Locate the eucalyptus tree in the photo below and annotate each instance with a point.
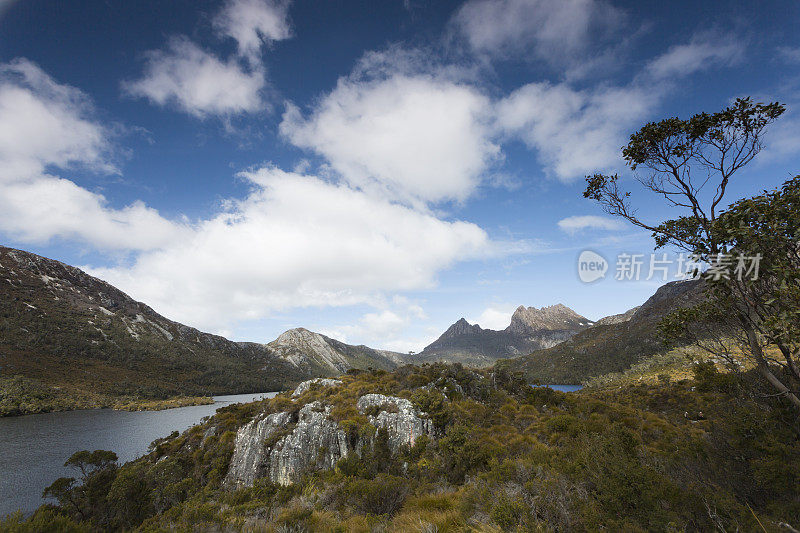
(752, 312)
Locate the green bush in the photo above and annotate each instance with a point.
(383, 495)
(709, 379)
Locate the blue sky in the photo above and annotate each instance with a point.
(370, 170)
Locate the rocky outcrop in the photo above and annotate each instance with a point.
(322, 382)
(251, 455)
(398, 417)
(617, 319)
(283, 447)
(315, 443)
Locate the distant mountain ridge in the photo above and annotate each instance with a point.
(65, 328)
(530, 329)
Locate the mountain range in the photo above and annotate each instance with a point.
(72, 334)
(613, 344)
(530, 329)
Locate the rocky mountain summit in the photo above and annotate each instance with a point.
(559, 317)
(530, 329)
(316, 354)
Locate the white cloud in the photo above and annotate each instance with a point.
(415, 138)
(252, 22)
(47, 127)
(575, 224)
(574, 131)
(495, 317)
(298, 241)
(198, 82)
(40, 209)
(580, 131)
(701, 53)
(293, 241)
(43, 123)
(559, 32)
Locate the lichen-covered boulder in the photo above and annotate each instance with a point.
(306, 385)
(316, 443)
(251, 450)
(398, 416)
(283, 448)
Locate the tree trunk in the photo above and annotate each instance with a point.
(763, 369)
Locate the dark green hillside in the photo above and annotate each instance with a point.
(69, 340)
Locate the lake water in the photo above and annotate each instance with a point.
(33, 448)
(563, 388)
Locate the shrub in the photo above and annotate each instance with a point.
(709, 379)
(462, 452)
(506, 513)
(383, 495)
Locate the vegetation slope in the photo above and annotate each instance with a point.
(691, 455)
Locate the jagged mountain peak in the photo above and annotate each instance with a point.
(526, 320)
(461, 327)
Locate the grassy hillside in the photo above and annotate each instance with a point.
(690, 455)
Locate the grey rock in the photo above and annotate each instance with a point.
(317, 443)
(251, 454)
(399, 417)
(312, 441)
(306, 385)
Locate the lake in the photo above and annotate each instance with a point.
(34, 447)
(563, 388)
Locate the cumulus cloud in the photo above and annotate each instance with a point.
(253, 22)
(560, 32)
(200, 83)
(575, 132)
(575, 224)
(197, 82)
(45, 123)
(293, 241)
(40, 209)
(298, 241)
(47, 127)
(413, 137)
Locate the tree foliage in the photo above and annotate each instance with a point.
(690, 164)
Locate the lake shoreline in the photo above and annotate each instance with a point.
(64, 402)
(36, 447)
